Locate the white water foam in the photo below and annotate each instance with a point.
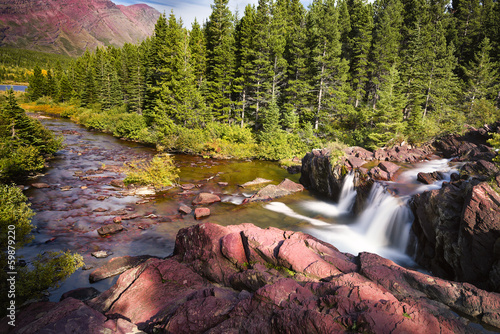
(345, 204)
(384, 225)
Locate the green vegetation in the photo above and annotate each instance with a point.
(42, 273)
(16, 65)
(292, 79)
(24, 144)
(158, 172)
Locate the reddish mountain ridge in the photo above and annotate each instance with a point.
(71, 26)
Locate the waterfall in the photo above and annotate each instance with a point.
(383, 227)
(347, 194)
(385, 220)
(345, 204)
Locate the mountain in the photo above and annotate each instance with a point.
(71, 26)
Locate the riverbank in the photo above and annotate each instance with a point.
(213, 140)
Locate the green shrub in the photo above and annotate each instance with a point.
(129, 126)
(46, 270)
(336, 149)
(25, 159)
(159, 172)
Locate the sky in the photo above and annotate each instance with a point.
(189, 9)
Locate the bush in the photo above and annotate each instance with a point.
(25, 159)
(46, 270)
(336, 149)
(129, 126)
(159, 172)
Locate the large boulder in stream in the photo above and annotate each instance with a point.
(244, 279)
(458, 232)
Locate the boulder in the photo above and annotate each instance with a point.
(429, 178)
(257, 181)
(116, 266)
(101, 254)
(187, 186)
(457, 228)
(109, 229)
(379, 174)
(206, 198)
(185, 209)
(82, 294)
(269, 192)
(389, 167)
(200, 213)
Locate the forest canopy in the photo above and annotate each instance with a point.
(282, 79)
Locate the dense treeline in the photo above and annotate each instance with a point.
(281, 77)
(16, 65)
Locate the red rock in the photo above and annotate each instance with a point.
(257, 181)
(187, 186)
(389, 167)
(378, 174)
(205, 288)
(206, 198)
(82, 294)
(429, 178)
(355, 162)
(201, 213)
(40, 185)
(109, 229)
(146, 291)
(116, 266)
(185, 209)
(117, 183)
(290, 186)
(232, 248)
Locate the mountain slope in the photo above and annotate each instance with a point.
(71, 26)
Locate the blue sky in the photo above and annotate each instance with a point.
(189, 9)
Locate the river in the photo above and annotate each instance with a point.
(80, 199)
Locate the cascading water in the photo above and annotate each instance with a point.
(384, 225)
(345, 204)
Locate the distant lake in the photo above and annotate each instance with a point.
(16, 88)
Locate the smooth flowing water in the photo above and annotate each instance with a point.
(80, 199)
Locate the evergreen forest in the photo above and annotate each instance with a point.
(279, 79)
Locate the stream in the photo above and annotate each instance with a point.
(79, 199)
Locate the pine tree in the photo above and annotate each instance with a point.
(221, 60)
(385, 53)
(482, 76)
(467, 15)
(360, 38)
(328, 69)
(36, 84)
(244, 58)
(153, 62)
(133, 77)
(178, 99)
(198, 50)
(296, 93)
(64, 91)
